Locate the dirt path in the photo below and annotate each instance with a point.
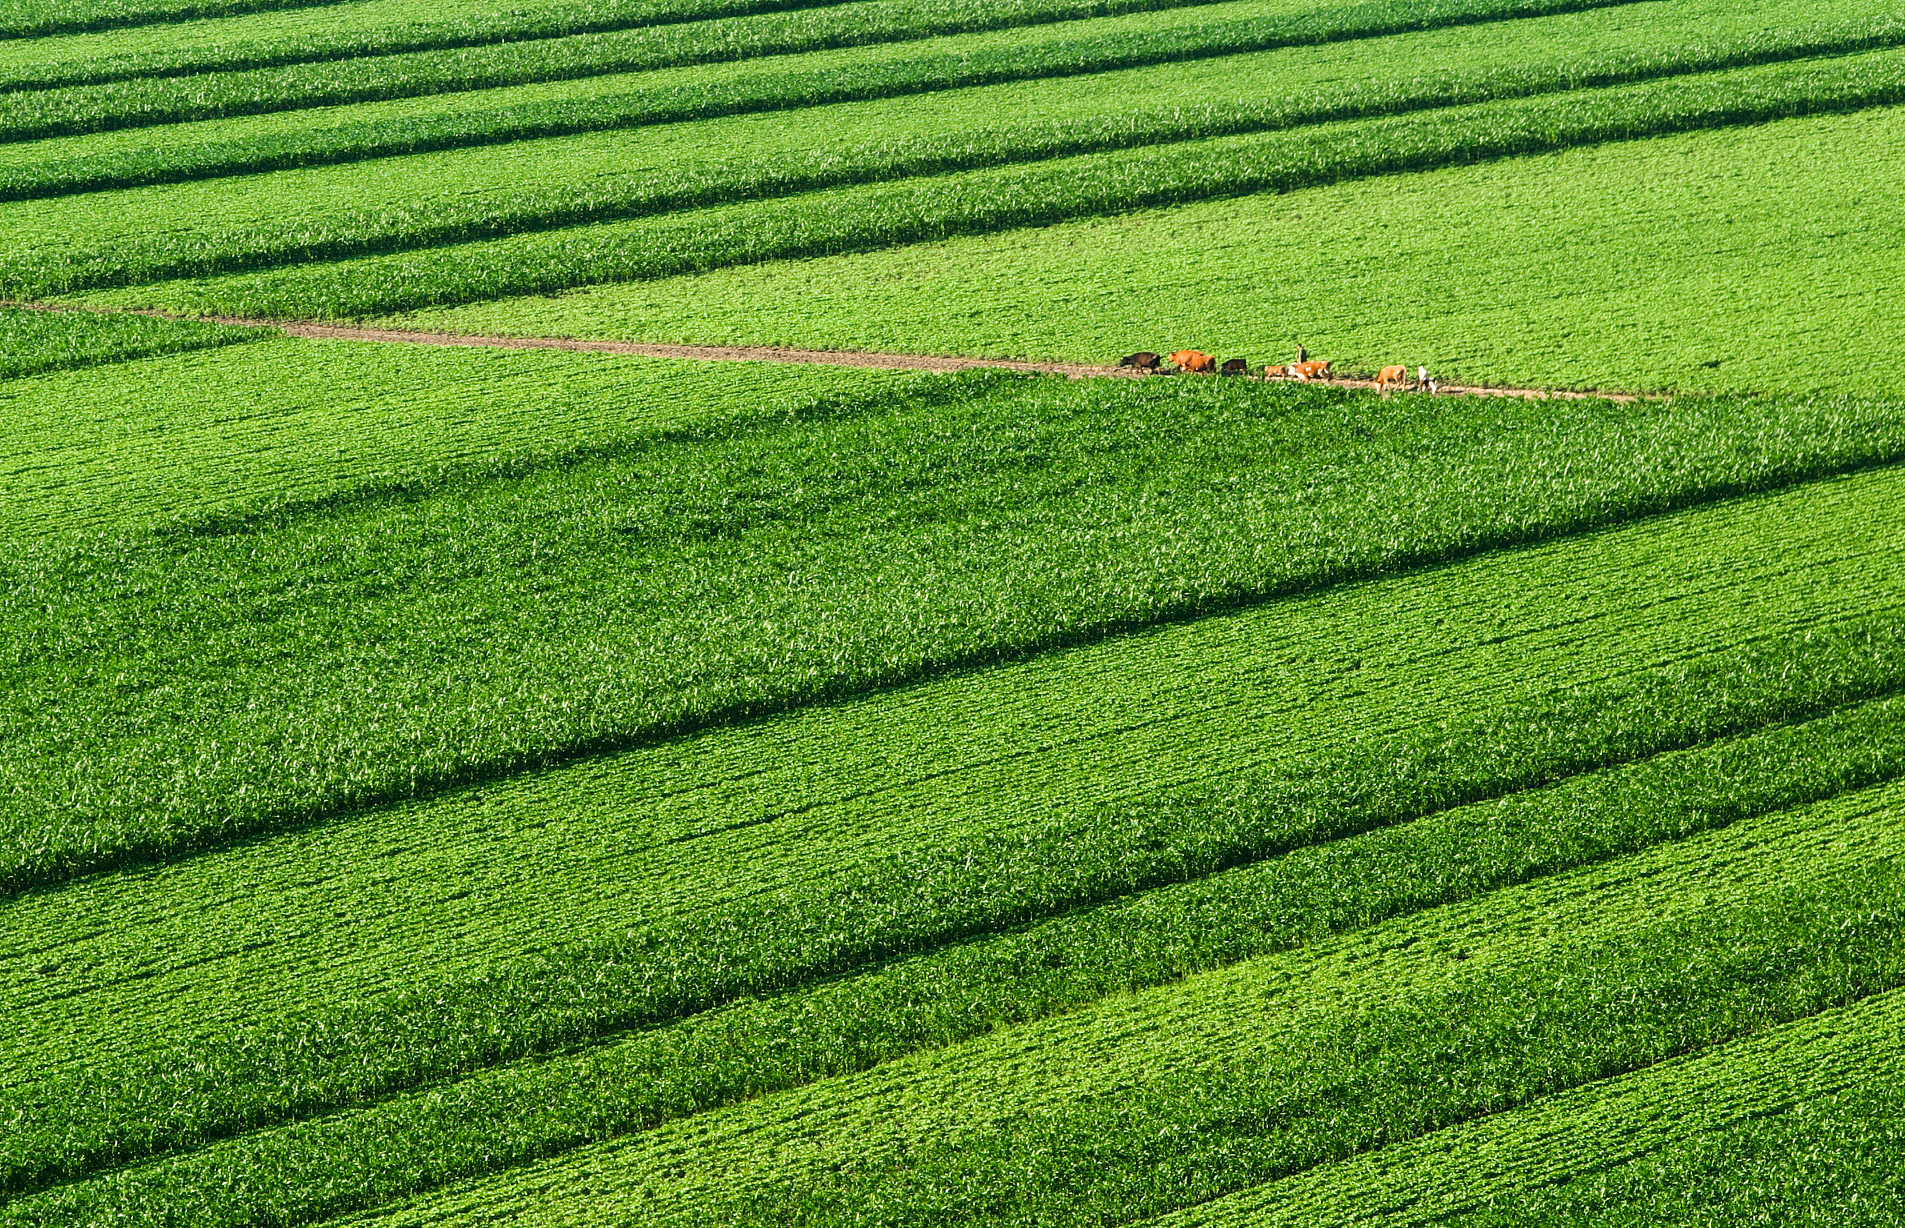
(710, 353)
(839, 358)
(768, 353)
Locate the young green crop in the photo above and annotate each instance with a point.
(911, 211)
(200, 228)
(40, 18)
(182, 438)
(759, 858)
(875, 71)
(248, 144)
(1634, 265)
(1165, 1099)
(1724, 1136)
(309, 34)
(666, 584)
(32, 342)
(958, 992)
(1835, 1156)
(907, 819)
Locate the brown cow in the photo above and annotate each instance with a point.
(1143, 360)
(1234, 366)
(1194, 361)
(1313, 369)
(1391, 377)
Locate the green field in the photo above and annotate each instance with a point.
(511, 784)
(426, 200)
(1579, 269)
(179, 439)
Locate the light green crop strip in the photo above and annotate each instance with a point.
(1586, 1130)
(446, 888)
(891, 28)
(24, 19)
(119, 448)
(520, 1110)
(1670, 263)
(1260, 1011)
(175, 229)
(1014, 196)
(217, 37)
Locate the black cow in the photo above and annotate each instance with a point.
(1143, 360)
(1234, 366)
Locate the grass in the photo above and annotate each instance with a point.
(70, 244)
(117, 450)
(419, 1140)
(512, 786)
(1016, 196)
(1759, 1171)
(630, 99)
(1731, 1135)
(1152, 1102)
(33, 342)
(1664, 264)
(301, 35)
(144, 102)
(40, 18)
(921, 817)
(665, 584)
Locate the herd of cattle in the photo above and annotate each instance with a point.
(1196, 362)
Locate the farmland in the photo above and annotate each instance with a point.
(705, 578)
(36, 342)
(1585, 298)
(531, 784)
(423, 201)
(297, 421)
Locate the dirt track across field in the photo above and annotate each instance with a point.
(768, 353)
(839, 358)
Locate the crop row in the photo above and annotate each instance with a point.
(1149, 1103)
(248, 144)
(760, 858)
(1011, 54)
(636, 838)
(32, 342)
(930, 208)
(119, 451)
(705, 579)
(195, 229)
(1732, 1176)
(1636, 266)
(39, 18)
(275, 37)
(390, 27)
(1729, 1125)
(479, 1124)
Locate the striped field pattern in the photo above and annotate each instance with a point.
(469, 784)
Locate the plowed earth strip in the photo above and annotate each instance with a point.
(767, 353)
